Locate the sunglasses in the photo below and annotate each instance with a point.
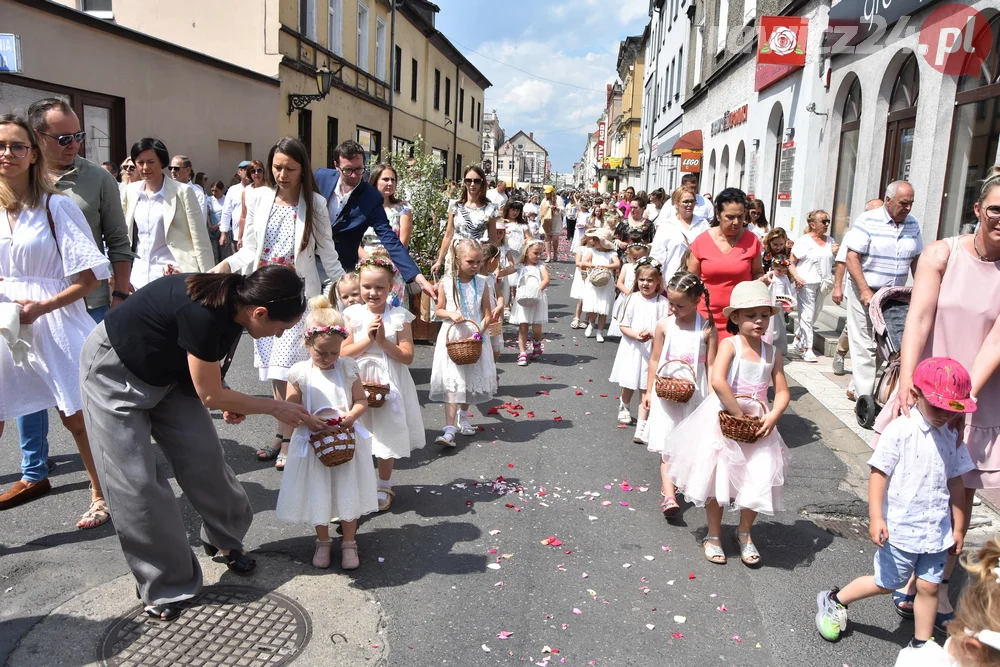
(172, 168)
(473, 181)
(128, 167)
(256, 171)
(824, 221)
(17, 150)
(65, 140)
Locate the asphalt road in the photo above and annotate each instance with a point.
(624, 587)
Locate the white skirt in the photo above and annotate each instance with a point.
(576, 289)
(631, 364)
(397, 427)
(664, 416)
(312, 493)
(600, 300)
(473, 383)
(537, 314)
(274, 355)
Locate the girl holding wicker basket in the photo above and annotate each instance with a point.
(381, 341)
(728, 451)
(684, 349)
(328, 473)
(531, 303)
(463, 371)
(641, 309)
(600, 262)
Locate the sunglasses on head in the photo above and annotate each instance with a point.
(65, 140)
(473, 181)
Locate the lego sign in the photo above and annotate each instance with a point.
(691, 162)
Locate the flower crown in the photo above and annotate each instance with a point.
(312, 332)
(637, 245)
(648, 261)
(377, 262)
(781, 260)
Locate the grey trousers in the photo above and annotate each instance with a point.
(123, 414)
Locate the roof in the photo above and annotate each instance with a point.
(527, 137)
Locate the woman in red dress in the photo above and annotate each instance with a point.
(726, 255)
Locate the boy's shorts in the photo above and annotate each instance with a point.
(894, 566)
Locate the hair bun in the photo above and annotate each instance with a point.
(319, 302)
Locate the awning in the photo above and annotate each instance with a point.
(689, 141)
(665, 146)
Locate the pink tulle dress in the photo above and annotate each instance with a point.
(705, 464)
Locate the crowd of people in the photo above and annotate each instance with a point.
(122, 305)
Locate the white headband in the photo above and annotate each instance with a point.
(986, 637)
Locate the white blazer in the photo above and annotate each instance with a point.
(259, 203)
(185, 229)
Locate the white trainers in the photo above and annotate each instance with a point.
(838, 365)
(446, 439)
(600, 336)
(465, 428)
(809, 357)
(589, 332)
(624, 415)
(640, 433)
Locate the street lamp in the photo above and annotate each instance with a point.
(324, 78)
(627, 161)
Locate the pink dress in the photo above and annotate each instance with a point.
(961, 324)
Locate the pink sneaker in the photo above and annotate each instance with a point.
(349, 556)
(321, 557)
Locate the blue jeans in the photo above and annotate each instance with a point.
(34, 435)
(97, 314)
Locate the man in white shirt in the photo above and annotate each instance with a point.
(703, 207)
(234, 198)
(181, 171)
(668, 248)
(498, 193)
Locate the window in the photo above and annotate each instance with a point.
(473, 115)
(720, 37)
(363, 36)
(901, 126)
(699, 49)
(461, 105)
(680, 68)
(479, 118)
(370, 140)
(447, 96)
(305, 129)
(749, 11)
(380, 49)
(847, 160)
(332, 139)
(101, 9)
(307, 18)
(437, 89)
(458, 168)
(397, 77)
(413, 79)
(335, 26)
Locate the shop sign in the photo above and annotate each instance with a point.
(612, 162)
(786, 171)
(955, 40)
(10, 53)
(691, 162)
(855, 21)
(730, 120)
(752, 175)
(602, 134)
(782, 40)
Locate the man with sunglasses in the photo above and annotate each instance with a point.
(234, 198)
(181, 171)
(355, 207)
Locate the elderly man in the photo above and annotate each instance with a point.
(882, 249)
(181, 171)
(355, 207)
(703, 206)
(498, 193)
(234, 198)
(95, 191)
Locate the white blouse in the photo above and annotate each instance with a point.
(815, 263)
(152, 254)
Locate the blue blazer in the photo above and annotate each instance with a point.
(363, 209)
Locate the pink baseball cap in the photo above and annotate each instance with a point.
(945, 384)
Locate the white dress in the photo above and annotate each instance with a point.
(628, 270)
(600, 300)
(576, 289)
(582, 220)
(397, 427)
(632, 360)
(776, 332)
(537, 314)
(689, 346)
(274, 355)
(32, 269)
(705, 464)
(312, 493)
(472, 383)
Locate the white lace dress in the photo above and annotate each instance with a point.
(397, 427)
(628, 271)
(632, 360)
(274, 355)
(312, 493)
(576, 289)
(600, 300)
(688, 345)
(537, 314)
(472, 383)
(34, 270)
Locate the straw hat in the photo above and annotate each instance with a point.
(602, 235)
(750, 294)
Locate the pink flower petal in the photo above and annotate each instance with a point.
(677, 635)
(503, 634)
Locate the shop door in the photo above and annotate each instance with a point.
(898, 151)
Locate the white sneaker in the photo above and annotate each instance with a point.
(465, 428)
(838, 365)
(640, 433)
(809, 357)
(624, 415)
(600, 337)
(446, 439)
(589, 332)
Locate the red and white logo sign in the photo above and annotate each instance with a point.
(955, 40)
(782, 40)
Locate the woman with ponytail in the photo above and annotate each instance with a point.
(151, 370)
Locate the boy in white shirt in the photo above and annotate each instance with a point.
(915, 499)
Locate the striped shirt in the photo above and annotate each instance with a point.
(886, 249)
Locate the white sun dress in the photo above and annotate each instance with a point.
(632, 360)
(690, 346)
(628, 271)
(397, 427)
(600, 300)
(537, 314)
(34, 267)
(312, 493)
(472, 383)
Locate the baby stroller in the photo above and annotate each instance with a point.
(888, 309)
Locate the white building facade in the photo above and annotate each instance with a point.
(493, 139)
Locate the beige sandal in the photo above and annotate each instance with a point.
(96, 515)
(714, 552)
(385, 504)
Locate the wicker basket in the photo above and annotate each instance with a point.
(678, 390)
(376, 391)
(528, 292)
(599, 276)
(741, 429)
(334, 446)
(495, 328)
(467, 350)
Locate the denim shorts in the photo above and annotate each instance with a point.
(894, 566)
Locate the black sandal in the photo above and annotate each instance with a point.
(163, 612)
(237, 562)
(270, 452)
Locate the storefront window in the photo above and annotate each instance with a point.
(902, 121)
(974, 140)
(847, 160)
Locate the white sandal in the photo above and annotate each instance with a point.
(713, 552)
(575, 324)
(748, 551)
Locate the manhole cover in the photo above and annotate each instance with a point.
(225, 625)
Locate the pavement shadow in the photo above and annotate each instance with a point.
(529, 390)
(74, 626)
(782, 546)
(797, 431)
(72, 536)
(458, 498)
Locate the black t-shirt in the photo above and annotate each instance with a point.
(154, 330)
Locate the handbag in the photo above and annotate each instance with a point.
(599, 276)
(826, 286)
(528, 290)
